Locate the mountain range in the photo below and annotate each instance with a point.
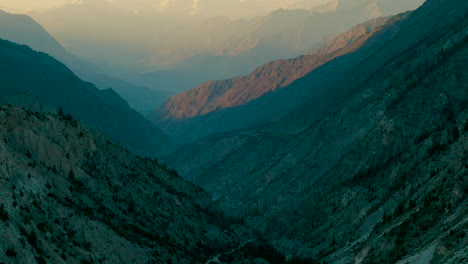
(177, 54)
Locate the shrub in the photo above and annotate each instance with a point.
(436, 149)
(455, 133)
(10, 252)
(3, 214)
(41, 260)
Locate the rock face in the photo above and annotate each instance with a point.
(372, 168)
(24, 71)
(69, 195)
(192, 108)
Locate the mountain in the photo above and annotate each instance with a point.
(24, 30)
(229, 57)
(371, 167)
(179, 53)
(37, 74)
(181, 111)
(70, 195)
(283, 34)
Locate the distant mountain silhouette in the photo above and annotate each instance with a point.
(23, 29)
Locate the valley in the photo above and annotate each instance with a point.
(336, 134)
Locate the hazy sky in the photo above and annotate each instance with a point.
(204, 7)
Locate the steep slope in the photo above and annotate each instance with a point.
(69, 195)
(380, 175)
(220, 106)
(24, 30)
(37, 74)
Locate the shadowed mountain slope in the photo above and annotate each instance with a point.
(372, 167)
(69, 195)
(39, 75)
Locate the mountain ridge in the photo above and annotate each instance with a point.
(263, 88)
(276, 75)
